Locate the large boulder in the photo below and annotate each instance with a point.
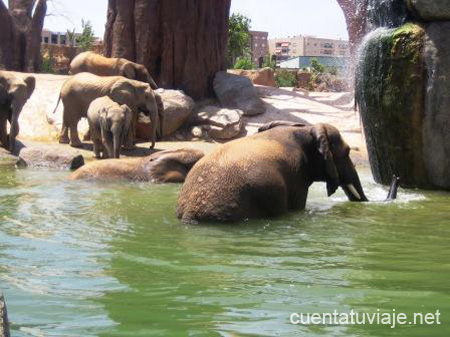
(50, 156)
(178, 107)
(220, 123)
(430, 10)
(238, 92)
(390, 93)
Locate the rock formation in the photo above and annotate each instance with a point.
(238, 92)
(402, 90)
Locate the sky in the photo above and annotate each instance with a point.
(281, 18)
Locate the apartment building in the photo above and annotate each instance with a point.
(287, 48)
(259, 46)
(56, 38)
(60, 39)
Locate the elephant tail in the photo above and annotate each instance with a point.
(50, 119)
(56, 107)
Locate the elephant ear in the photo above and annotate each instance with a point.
(127, 123)
(123, 92)
(129, 71)
(31, 84)
(320, 136)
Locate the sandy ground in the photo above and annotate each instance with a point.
(282, 104)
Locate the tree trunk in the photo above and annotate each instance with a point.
(20, 34)
(181, 42)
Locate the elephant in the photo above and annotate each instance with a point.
(104, 66)
(268, 174)
(79, 91)
(109, 124)
(15, 90)
(170, 166)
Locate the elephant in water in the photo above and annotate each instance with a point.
(109, 124)
(82, 89)
(170, 166)
(268, 174)
(104, 66)
(15, 90)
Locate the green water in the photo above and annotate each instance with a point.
(84, 259)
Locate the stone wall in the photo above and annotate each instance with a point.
(61, 56)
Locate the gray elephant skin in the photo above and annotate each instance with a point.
(109, 123)
(268, 174)
(170, 166)
(104, 66)
(15, 90)
(79, 91)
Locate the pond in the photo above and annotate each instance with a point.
(87, 259)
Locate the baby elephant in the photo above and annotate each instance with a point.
(109, 124)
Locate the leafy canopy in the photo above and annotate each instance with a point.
(86, 40)
(238, 38)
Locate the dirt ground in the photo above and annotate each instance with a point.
(281, 104)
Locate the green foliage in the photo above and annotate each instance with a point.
(86, 40)
(317, 66)
(333, 70)
(244, 63)
(285, 78)
(268, 62)
(71, 38)
(238, 38)
(47, 66)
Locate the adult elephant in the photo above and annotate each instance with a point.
(15, 90)
(104, 66)
(79, 91)
(268, 174)
(170, 166)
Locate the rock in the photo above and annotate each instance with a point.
(178, 107)
(263, 76)
(437, 102)
(219, 123)
(238, 92)
(390, 93)
(430, 10)
(331, 83)
(51, 157)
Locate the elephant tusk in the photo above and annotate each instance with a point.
(353, 190)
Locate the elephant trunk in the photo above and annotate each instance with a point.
(352, 185)
(117, 144)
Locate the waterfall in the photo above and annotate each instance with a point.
(386, 13)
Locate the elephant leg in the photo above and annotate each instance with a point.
(154, 126)
(74, 139)
(97, 149)
(131, 137)
(64, 135)
(3, 133)
(13, 132)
